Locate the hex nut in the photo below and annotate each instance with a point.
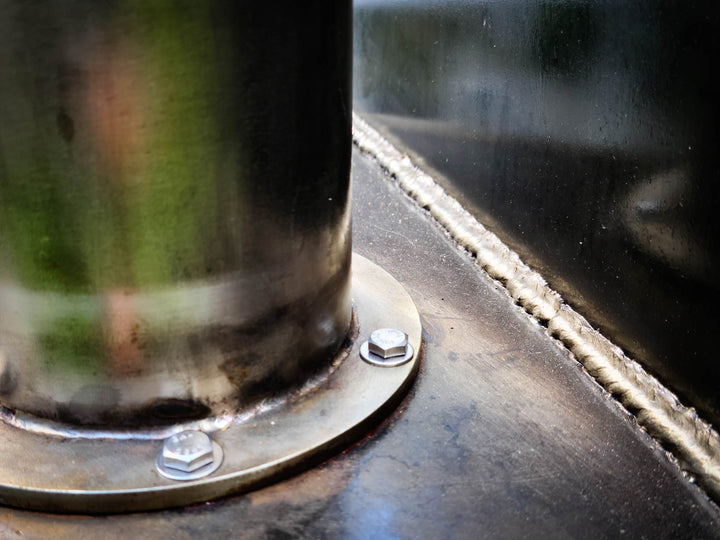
(187, 451)
(388, 342)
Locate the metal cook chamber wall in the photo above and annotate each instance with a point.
(584, 134)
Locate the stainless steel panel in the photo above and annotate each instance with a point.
(584, 134)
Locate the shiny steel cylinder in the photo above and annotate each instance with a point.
(174, 208)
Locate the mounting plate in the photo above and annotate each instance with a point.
(92, 472)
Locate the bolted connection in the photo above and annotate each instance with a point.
(388, 342)
(187, 451)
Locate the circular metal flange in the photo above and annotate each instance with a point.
(83, 473)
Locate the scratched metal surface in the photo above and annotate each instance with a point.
(503, 434)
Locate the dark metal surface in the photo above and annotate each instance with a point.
(174, 214)
(584, 134)
(503, 434)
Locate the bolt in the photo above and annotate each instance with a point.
(187, 451)
(388, 342)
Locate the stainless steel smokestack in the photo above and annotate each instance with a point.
(174, 214)
(176, 319)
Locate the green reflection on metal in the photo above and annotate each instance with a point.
(72, 343)
(110, 173)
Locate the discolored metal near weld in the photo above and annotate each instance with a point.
(209, 423)
(236, 365)
(102, 473)
(120, 302)
(689, 438)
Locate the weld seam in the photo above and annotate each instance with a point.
(691, 440)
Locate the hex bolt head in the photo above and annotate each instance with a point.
(187, 451)
(388, 342)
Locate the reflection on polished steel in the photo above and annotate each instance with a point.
(79, 474)
(584, 134)
(174, 213)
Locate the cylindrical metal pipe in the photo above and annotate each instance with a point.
(174, 208)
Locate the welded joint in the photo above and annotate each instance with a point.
(691, 440)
